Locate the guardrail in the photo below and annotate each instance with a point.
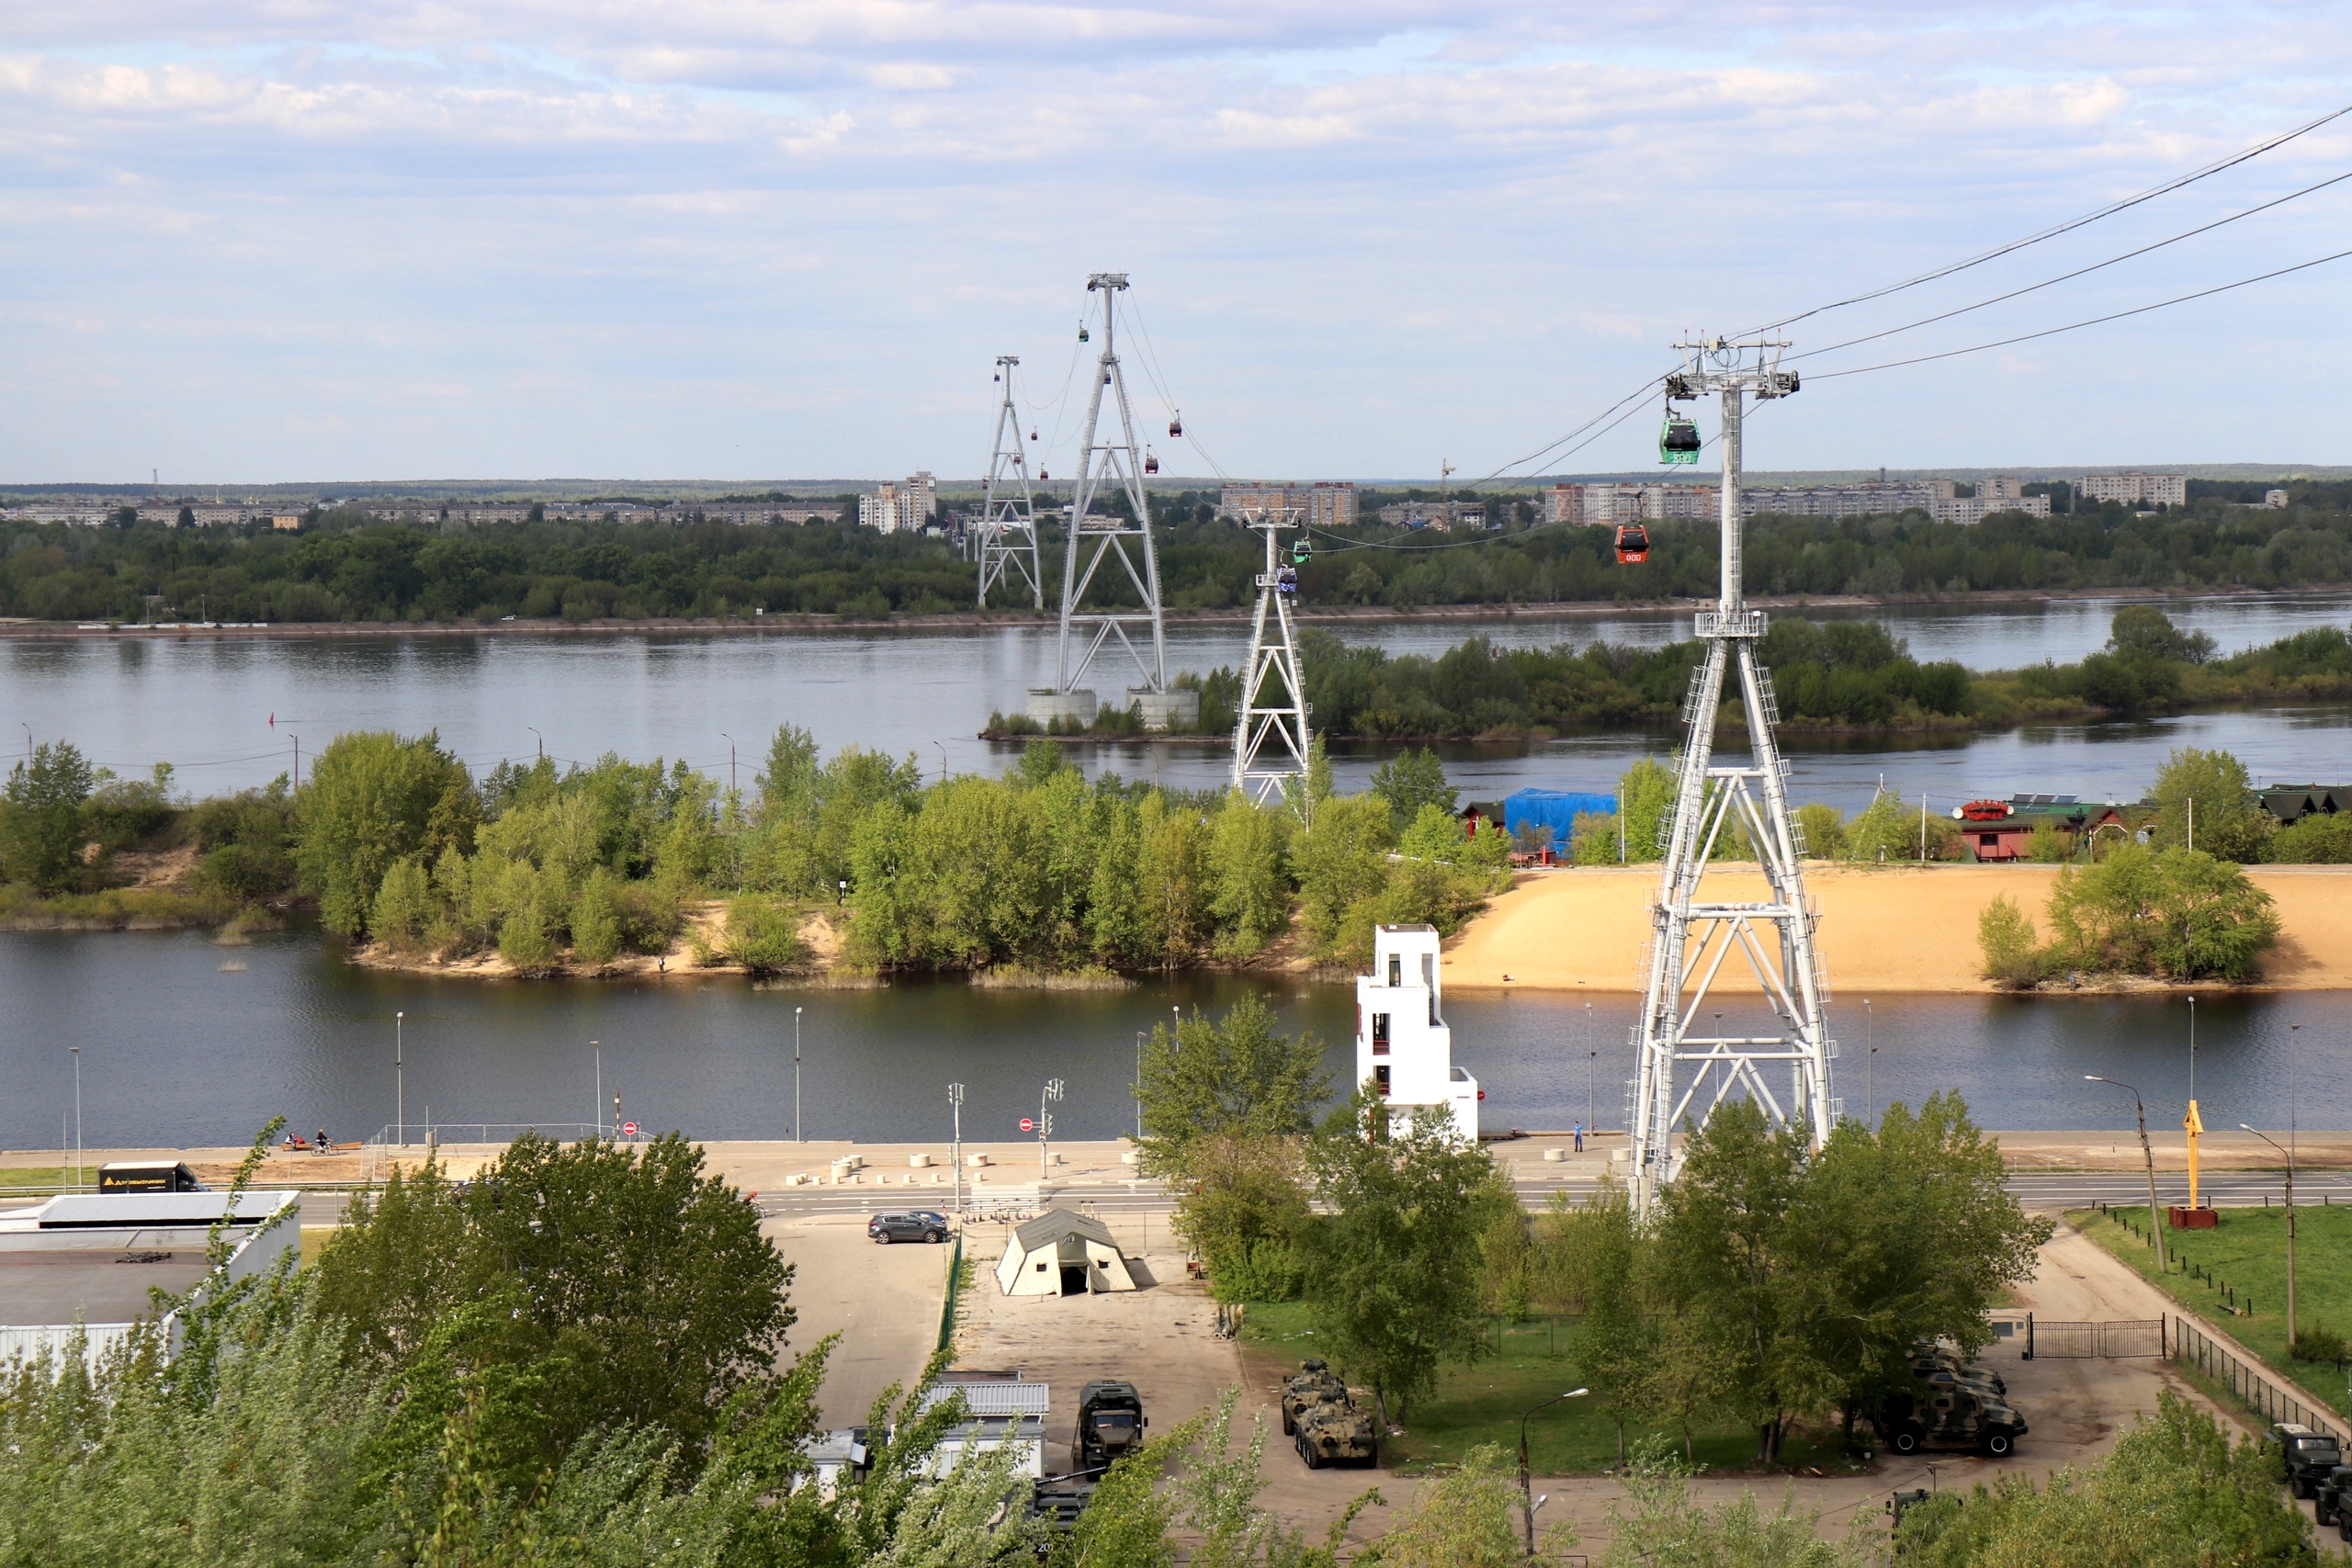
(2250, 1385)
(954, 1284)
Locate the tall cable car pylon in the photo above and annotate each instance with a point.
(1683, 1070)
(1270, 733)
(1115, 462)
(1007, 537)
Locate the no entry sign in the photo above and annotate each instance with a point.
(629, 1129)
(1028, 1126)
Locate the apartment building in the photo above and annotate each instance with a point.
(1325, 504)
(2134, 490)
(1978, 507)
(1607, 504)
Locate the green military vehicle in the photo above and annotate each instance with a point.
(2331, 1498)
(1956, 1416)
(1337, 1431)
(1942, 1366)
(1315, 1385)
(1109, 1425)
(2306, 1457)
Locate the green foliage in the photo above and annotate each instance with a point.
(1235, 1077)
(1659, 1520)
(2004, 933)
(1824, 831)
(596, 918)
(2229, 822)
(246, 841)
(2178, 913)
(2174, 1493)
(372, 799)
(404, 906)
(2143, 629)
(763, 934)
(40, 817)
(1888, 833)
(1411, 782)
(1342, 863)
(2317, 1343)
(1393, 1262)
(2320, 839)
(1465, 1518)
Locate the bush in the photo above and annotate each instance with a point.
(2006, 935)
(1824, 831)
(2316, 840)
(595, 920)
(2179, 913)
(763, 935)
(2317, 1344)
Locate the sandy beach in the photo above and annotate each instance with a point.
(1883, 929)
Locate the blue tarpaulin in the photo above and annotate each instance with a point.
(1556, 809)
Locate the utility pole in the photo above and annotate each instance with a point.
(1273, 689)
(598, 1103)
(77, 1116)
(1114, 462)
(2155, 1215)
(1591, 1065)
(1006, 536)
(400, 1078)
(2291, 1230)
(730, 760)
(956, 1142)
(1692, 937)
(1045, 1122)
(798, 1136)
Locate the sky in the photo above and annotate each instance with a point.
(267, 240)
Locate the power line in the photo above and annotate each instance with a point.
(2109, 210)
(2093, 322)
(2078, 272)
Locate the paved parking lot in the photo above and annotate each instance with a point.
(884, 1301)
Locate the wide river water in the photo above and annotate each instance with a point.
(182, 1041)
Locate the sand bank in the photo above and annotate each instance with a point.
(1908, 928)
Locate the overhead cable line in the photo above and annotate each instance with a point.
(2093, 322)
(2109, 210)
(2078, 272)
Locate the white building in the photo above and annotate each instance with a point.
(2274, 499)
(1604, 504)
(901, 508)
(2135, 489)
(1985, 503)
(1402, 1042)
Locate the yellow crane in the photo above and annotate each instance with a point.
(2195, 1127)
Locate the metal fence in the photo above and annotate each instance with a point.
(412, 1140)
(2131, 1336)
(954, 1284)
(2192, 1347)
(2118, 1339)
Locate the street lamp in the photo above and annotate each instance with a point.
(597, 1104)
(1138, 1087)
(1591, 1060)
(77, 1116)
(543, 740)
(1052, 1095)
(2155, 1219)
(1525, 1490)
(956, 1106)
(2290, 1234)
(1869, 1022)
(798, 1137)
(730, 760)
(399, 1080)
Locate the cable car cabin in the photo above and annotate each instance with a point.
(1679, 442)
(1632, 545)
(1286, 579)
(1301, 553)
(1081, 336)
(1176, 425)
(1151, 464)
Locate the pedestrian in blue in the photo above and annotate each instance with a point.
(1580, 1137)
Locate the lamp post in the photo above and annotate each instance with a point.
(1591, 1061)
(1052, 1095)
(955, 1143)
(2155, 1218)
(77, 1117)
(597, 1104)
(1138, 1087)
(542, 739)
(730, 760)
(399, 1080)
(1870, 1023)
(797, 1135)
(1526, 1491)
(2192, 1124)
(2290, 1233)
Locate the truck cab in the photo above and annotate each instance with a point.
(1109, 1425)
(2306, 1457)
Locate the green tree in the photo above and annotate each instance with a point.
(1824, 831)
(1393, 1262)
(2004, 933)
(2211, 790)
(2179, 913)
(372, 799)
(2319, 839)
(40, 817)
(2144, 629)
(404, 906)
(1617, 1341)
(1249, 856)
(1342, 863)
(596, 920)
(1410, 780)
(1464, 1517)
(1659, 1520)
(1645, 805)
(1234, 1075)
(762, 935)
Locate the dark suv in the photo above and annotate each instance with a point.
(908, 1224)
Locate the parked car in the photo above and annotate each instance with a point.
(908, 1224)
(2305, 1457)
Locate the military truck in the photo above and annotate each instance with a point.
(1315, 1385)
(1109, 1425)
(2331, 1498)
(1336, 1430)
(2306, 1457)
(1957, 1416)
(1934, 1363)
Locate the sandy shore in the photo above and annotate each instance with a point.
(1910, 928)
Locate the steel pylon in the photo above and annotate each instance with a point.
(1684, 1071)
(1269, 731)
(1115, 462)
(1006, 541)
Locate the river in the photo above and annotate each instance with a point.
(186, 1043)
(229, 712)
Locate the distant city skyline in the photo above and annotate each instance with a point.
(750, 239)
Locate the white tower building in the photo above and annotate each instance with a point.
(1402, 1042)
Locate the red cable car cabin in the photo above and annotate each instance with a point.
(1632, 545)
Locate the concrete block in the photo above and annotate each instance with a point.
(1170, 709)
(1046, 704)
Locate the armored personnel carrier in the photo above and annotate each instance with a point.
(1315, 1383)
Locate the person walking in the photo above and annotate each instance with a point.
(1580, 1137)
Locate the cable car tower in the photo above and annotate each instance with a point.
(1007, 537)
(1270, 733)
(1683, 1070)
(1112, 461)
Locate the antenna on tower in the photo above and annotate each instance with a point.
(1692, 937)
(1007, 538)
(1114, 462)
(1270, 733)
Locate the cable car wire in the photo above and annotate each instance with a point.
(2078, 272)
(2109, 210)
(2092, 321)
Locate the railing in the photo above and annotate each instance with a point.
(2192, 1346)
(954, 1284)
(390, 1141)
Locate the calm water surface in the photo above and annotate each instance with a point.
(176, 1051)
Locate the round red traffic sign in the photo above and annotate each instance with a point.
(629, 1129)
(1028, 1126)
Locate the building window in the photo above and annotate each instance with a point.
(1395, 970)
(1380, 1035)
(1380, 1079)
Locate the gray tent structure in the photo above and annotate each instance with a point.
(1062, 1254)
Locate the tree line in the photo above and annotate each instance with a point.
(394, 843)
(349, 563)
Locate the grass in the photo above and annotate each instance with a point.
(2242, 1263)
(115, 908)
(45, 1176)
(1482, 1402)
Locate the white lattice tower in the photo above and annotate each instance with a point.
(1006, 540)
(1682, 1069)
(1092, 538)
(1270, 732)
